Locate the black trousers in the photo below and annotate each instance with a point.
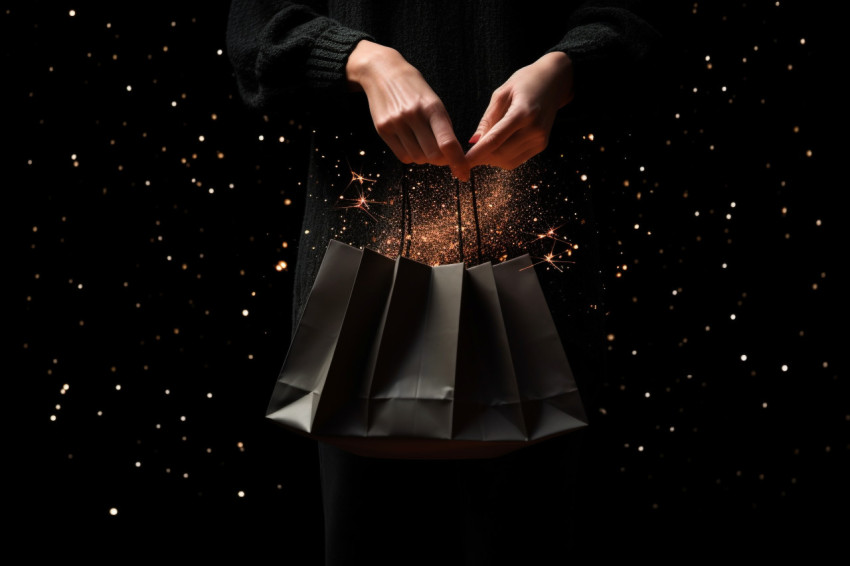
(515, 509)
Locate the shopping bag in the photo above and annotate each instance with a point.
(396, 359)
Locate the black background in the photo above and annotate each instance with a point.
(147, 214)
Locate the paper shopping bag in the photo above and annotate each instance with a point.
(396, 359)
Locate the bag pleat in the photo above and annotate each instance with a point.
(550, 399)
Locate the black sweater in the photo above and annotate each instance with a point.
(290, 58)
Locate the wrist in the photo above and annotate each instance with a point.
(559, 64)
(364, 60)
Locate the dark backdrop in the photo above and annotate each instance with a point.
(154, 224)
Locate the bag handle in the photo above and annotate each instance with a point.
(474, 215)
(407, 218)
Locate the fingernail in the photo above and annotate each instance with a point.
(475, 137)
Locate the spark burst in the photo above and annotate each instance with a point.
(552, 258)
(358, 178)
(550, 234)
(362, 203)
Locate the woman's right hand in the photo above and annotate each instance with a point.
(407, 113)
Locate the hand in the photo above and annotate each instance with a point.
(516, 125)
(407, 113)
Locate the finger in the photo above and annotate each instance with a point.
(456, 160)
(449, 146)
(411, 145)
(495, 137)
(395, 145)
(516, 150)
(425, 138)
(524, 143)
(499, 104)
(519, 159)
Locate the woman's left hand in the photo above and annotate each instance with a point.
(516, 125)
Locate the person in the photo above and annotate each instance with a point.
(423, 95)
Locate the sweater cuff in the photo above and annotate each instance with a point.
(590, 42)
(329, 55)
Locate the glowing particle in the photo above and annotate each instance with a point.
(72, 13)
(240, 493)
(244, 312)
(113, 511)
(784, 367)
(281, 266)
(743, 357)
(129, 88)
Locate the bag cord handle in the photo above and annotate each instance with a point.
(474, 215)
(407, 219)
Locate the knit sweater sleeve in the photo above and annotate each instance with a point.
(278, 49)
(610, 43)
